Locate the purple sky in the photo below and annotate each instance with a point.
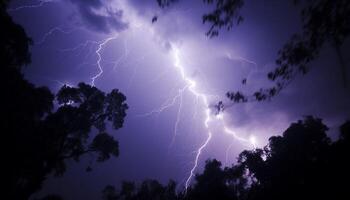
(156, 67)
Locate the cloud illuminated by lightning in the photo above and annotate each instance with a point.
(190, 86)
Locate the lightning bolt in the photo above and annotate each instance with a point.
(101, 44)
(191, 84)
(251, 140)
(99, 57)
(169, 102)
(199, 151)
(178, 116)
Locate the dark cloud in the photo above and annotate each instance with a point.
(99, 16)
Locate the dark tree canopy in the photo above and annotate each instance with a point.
(225, 15)
(14, 42)
(217, 183)
(42, 138)
(147, 190)
(302, 163)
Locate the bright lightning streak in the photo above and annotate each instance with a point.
(167, 104)
(199, 151)
(192, 84)
(192, 88)
(229, 56)
(251, 140)
(181, 91)
(99, 57)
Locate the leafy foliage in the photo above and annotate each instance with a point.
(324, 21)
(226, 14)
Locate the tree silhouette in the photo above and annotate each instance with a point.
(14, 41)
(42, 130)
(323, 22)
(217, 183)
(225, 15)
(302, 163)
(42, 138)
(147, 190)
(109, 193)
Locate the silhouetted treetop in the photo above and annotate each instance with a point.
(301, 163)
(109, 193)
(217, 183)
(323, 22)
(226, 14)
(297, 164)
(14, 41)
(43, 138)
(345, 131)
(147, 190)
(89, 99)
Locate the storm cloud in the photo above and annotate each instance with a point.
(99, 16)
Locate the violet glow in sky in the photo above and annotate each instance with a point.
(172, 75)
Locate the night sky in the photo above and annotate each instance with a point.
(172, 75)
